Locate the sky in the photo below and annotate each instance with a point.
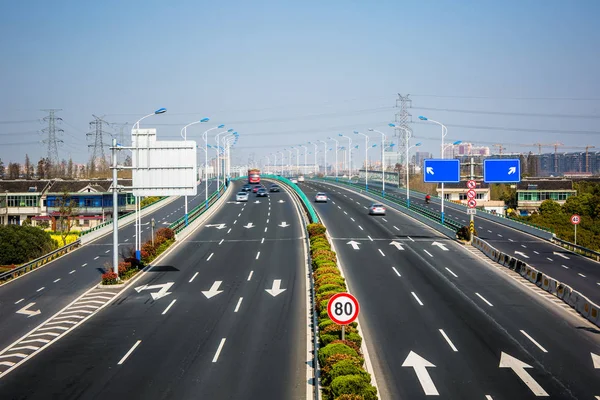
(284, 73)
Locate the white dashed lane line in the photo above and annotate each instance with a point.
(250, 275)
(428, 253)
(56, 280)
(396, 271)
(581, 275)
(169, 306)
(239, 303)
(533, 341)
(83, 265)
(97, 257)
(448, 340)
(129, 352)
(209, 257)
(448, 269)
(417, 298)
(216, 357)
(381, 252)
(40, 289)
(361, 228)
(18, 301)
(484, 299)
(194, 277)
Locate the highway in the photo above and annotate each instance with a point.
(581, 273)
(232, 325)
(57, 284)
(440, 320)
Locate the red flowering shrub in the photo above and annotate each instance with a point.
(109, 278)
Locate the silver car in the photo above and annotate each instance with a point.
(241, 196)
(377, 209)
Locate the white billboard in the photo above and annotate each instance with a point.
(162, 168)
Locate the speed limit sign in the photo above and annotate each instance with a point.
(343, 308)
(575, 219)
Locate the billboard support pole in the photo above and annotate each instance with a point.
(115, 215)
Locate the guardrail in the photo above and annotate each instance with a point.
(576, 300)
(106, 223)
(38, 262)
(178, 225)
(584, 251)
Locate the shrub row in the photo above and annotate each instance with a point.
(342, 374)
(164, 237)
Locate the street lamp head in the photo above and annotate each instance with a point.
(160, 111)
(391, 125)
(371, 129)
(392, 144)
(418, 144)
(229, 130)
(356, 132)
(375, 145)
(221, 126)
(339, 134)
(457, 142)
(205, 120)
(422, 118)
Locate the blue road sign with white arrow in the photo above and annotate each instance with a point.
(441, 171)
(502, 170)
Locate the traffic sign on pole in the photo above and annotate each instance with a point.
(498, 170)
(343, 309)
(472, 203)
(575, 219)
(471, 184)
(441, 171)
(471, 211)
(471, 194)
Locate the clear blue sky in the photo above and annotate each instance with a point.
(284, 73)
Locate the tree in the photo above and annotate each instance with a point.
(550, 208)
(67, 210)
(23, 243)
(532, 164)
(28, 168)
(48, 170)
(2, 170)
(40, 169)
(70, 169)
(14, 170)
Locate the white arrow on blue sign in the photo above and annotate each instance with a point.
(502, 170)
(441, 171)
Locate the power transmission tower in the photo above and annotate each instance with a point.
(402, 119)
(52, 141)
(98, 157)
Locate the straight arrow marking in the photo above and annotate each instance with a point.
(30, 313)
(214, 290)
(441, 246)
(276, 289)
(397, 244)
(354, 244)
(596, 360)
(420, 365)
(518, 366)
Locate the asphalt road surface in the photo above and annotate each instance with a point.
(439, 320)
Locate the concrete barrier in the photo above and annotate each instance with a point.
(594, 315)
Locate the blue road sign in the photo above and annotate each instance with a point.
(502, 170)
(441, 171)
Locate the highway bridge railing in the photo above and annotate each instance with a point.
(584, 251)
(38, 262)
(575, 299)
(178, 225)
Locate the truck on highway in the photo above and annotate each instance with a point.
(254, 175)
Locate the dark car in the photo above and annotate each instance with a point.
(274, 188)
(246, 188)
(262, 192)
(256, 188)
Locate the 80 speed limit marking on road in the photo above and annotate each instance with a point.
(343, 308)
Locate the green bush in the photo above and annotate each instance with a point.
(329, 278)
(343, 368)
(325, 271)
(20, 244)
(324, 323)
(331, 349)
(326, 338)
(320, 246)
(325, 254)
(315, 229)
(323, 298)
(354, 384)
(323, 263)
(317, 237)
(350, 397)
(328, 287)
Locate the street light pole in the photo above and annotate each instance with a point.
(324, 157)
(366, 158)
(383, 136)
(205, 137)
(297, 160)
(218, 157)
(444, 133)
(184, 136)
(316, 163)
(349, 155)
(305, 153)
(337, 145)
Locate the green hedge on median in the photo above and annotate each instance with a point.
(342, 374)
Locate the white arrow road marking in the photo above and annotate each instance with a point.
(214, 290)
(156, 295)
(521, 254)
(561, 255)
(420, 365)
(596, 360)
(29, 313)
(397, 244)
(250, 225)
(518, 366)
(440, 245)
(216, 357)
(276, 289)
(129, 352)
(354, 244)
(218, 226)
(284, 224)
(430, 170)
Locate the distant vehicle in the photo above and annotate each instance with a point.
(321, 197)
(377, 209)
(246, 188)
(274, 188)
(294, 180)
(262, 192)
(241, 196)
(301, 178)
(256, 187)
(254, 175)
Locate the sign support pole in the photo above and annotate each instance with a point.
(343, 332)
(472, 217)
(115, 198)
(575, 234)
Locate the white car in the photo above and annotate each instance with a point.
(321, 197)
(301, 178)
(241, 196)
(294, 180)
(377, 209)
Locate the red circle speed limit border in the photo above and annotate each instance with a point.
(575, 219)
(343, 308)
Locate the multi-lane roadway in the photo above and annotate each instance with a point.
(230, 323)
(52, 287)
(439, 320)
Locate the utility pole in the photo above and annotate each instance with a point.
(98, 158)
(473, 177)
(52, 141)
(401, 120)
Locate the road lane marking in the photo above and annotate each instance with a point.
(370, 238)
(40, 289)
(222, 240)
(381, 252)
(17, 302)
(257, 255)
(267, 220)
(345, 213)
(97, 257)
(83, 265)
(489, 231)
(448, 340)
(262, 241)
(107, 251)
(209, 257)
(484, 299)
(430, 255)
(499, 235)
(580, 274)
(216, 357)
(365, 207)
(537, 253)
(266, 229)
(416, 298)
(237, 307)
(448, 269)
(564, 266)
(239, 215)
(396, 271)
(169, 306)
(235, 222)
(129, 352)
(385, 220)
(229, 230)
(194, 277)
(396, 228)
(361, 228)
(510, 240)
(71, 272)
(56, 280)
(488, 397)
(250, 276)
(411, 239)
(352, 219)
(523, 246)
(533, 341)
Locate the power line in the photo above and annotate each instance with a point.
(19, 122)
(509, 98)
(518, 114)
(496, 128)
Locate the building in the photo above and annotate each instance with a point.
(420, 156)
(531, 193)
(457, 192)
(465, 149)
(21, 199)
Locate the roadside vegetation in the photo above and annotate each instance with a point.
(343, 376)
(130, 266)
(20, 244)
(146, 201)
